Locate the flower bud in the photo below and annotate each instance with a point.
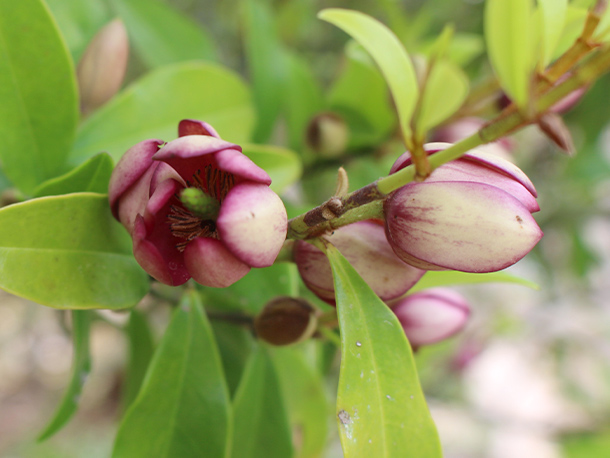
(327, 134)
(431, 315)
(102, 67)
(285, 320)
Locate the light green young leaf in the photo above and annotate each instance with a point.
(260, 419)
(68, 252)
(81, 365)
(141, 349)
(445, 91)
(91, 176)
(283, 165)
(161, 34)
(381, 410)
(509, 32)
(39, 108)
(452, 277)
(552, 20)
(305, 401)
(153, 106)
(389, 54)
(573, 26)
(182, 409)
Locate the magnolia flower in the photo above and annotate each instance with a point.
(431, 315)
(472, 215)
(197, 207)
(366, 248)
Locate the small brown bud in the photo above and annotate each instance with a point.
(556, 130)
(102, 67)
(327, 134)
(285, 320)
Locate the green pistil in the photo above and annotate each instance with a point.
(199, 203)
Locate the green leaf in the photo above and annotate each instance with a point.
(445, 91)
(141, 349)
(161, 34)
(388, 53)
(81, 365)
(306, 402)
(509, 32)
(381, 410)
(574, 23)
(91, 176)
(68, 252)
(266, 65)
(183, 408)
(283, 165)
(260, 419)
(153, 106)
(452, 277)
(552, 20)
(360, 96)
(235, 343)
(39, 109)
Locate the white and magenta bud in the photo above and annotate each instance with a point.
(197, 208)
(431, 315)
(366, 248)
(102, 67)
(472, 215)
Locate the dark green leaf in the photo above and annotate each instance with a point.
(283, 165)
(81, 365)
(141, 348)
(153, 106)
(39, 110)
(235, 344)
(68, 252)
(162, 35)
(182, 409)
(259, 415)
(381, 410)
(90, 176)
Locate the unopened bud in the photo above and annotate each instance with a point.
(285, 320)
(555, 129)
(102, 67)
(327, 135)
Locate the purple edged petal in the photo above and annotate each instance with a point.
(194, 127)
(211, 264)
(471, 227)
(404, 159)
(130, 168)
(252, 223)
(242, 166)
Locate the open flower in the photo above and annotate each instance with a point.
(431, 315)
(365, 246)
(197, 207)
(472, 214)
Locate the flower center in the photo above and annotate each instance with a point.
(195, 214)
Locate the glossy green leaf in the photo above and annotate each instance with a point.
(153, 106)
(141, 348)
(452, 277)
(162, 35)
(81, 365)
(235, 343)
(360, 96)
(259, 415)
(182, 409)
(381, 410)
(266, 65)
(283, 165)
(388, 53)
(445, 91)
(79, 21)
(552, 20)
(91, 176)
(68, 252)
(509, 33)
(39, 108)
(306, 402)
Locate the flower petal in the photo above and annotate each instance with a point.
(194, 127)
(252, 223)
(472, 227)
(211, 264)
(242, 166)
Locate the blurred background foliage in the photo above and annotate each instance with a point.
(530, 376)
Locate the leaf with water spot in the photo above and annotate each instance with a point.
(381, 410)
